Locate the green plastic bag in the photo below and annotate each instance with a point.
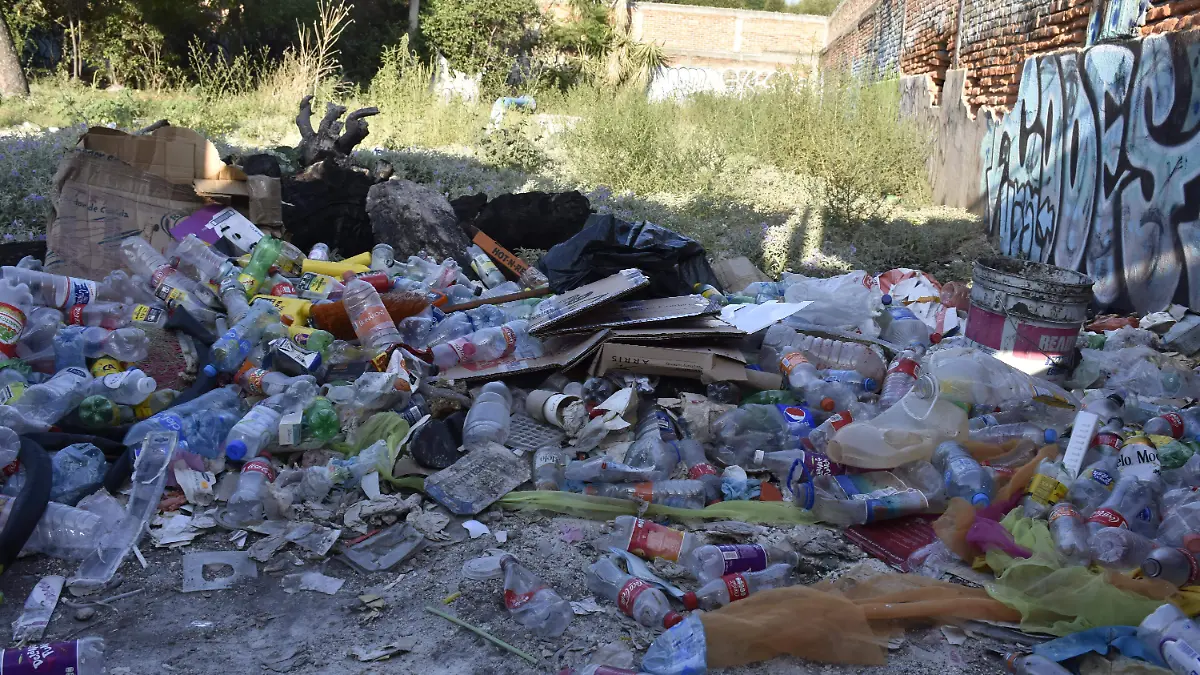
(605, 508)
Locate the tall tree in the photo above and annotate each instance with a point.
(12, 78)
(414, 21)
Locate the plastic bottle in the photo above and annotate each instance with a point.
(1094, 485)
(1168, 632)
(484, 268)
(1111, 409)
(252, 433)
(201, 423)
(819, 438)
(825, 354)
(320, 420)
(1002, 433)
(246, 505)
(683, 494)
(764, 291)
(699, 468)
(857, 499)
(169, 284)
(120, 286)
(233, 296)
(123, 344)
(96, 412)
(1046, 488)
(823, 398)
(278, 285)
(319, 251)
(16, 303)
(1175, 565)
(905, 432)
(1070, 534)
(53, 290)
(634, 597)
(963, 475)
(898, 325)
(713, 561)
(710, 292)
(1032, 664)
(10, 446)
(853, 379)
(972, 377)
(372, 323)
(649, 540)
(1129, 497)
(752, 428)
(489, 344)
(232, 348)
(488, 419)
(733, 587)
(208, 262)
(114, 315)
(44, 404)
(69, 348)
(130, 387)
(548, 465)
(265, 253)
(602, 469)
(77, 657)
(532, 603)
(1182, 424)
(63, 532)
(1120, 549)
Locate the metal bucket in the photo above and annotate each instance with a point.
(1028, 314)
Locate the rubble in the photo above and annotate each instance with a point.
(638, 460)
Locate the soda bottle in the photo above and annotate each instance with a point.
(1120, 549)
(963, 475)
(744, 431)
(699, 468)
(77, 657)
(649, 540)
(245, 506)
(1182, 424)
(713, 561)
(1175, 565)
(532, 603)
(489, 344)
(123, 344)
(799, 372)
(69, 348)
(16, 303)
(320, 420)
(114, 315)
(857, 499)
(1070, 534)
(210, 264)
(52, 290)
(548, 465)
(372, 323)
(129, 387)
(96, 412)
(319, 251)
(488, 418)
(1094, 485)
(278, 285)
(1129, 497)
(1168, 632)
(170, 285)
(634, 597)
(710, 292)
(733, 587)
(898, 325)
(232, 348)
(265, 252)
(1047, 488)
(683, 494)
(318, 287)
(484, 268)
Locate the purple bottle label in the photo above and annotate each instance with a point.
(56, 658)
(743, 558)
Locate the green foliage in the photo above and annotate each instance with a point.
(27, 164)
(481, 36)
(510, 146)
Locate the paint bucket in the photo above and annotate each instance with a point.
(548, 406)
(1028, 314)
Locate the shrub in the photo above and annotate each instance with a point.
(481, 36)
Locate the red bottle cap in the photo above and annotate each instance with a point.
(671, 619)
(689, 601)
(935, 338)
(827, 404)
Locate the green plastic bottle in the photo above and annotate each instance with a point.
(770, 396)
(320, 420)
(97, 412)
(266, 251)
(314, 341)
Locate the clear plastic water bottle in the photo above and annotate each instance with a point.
(114, 315)
(532, 603)
(898, 325)
(63, 532)
(683, 494)
(170, 285)
(77, 657)
(1175, 565)
(649, 540)
(53, 290)
(1129, 497)
(201, 423)
(739, 586)
(1011, 416)
(484, 267)
(16, 303)
(233, 296)
(246, 506)
(252, 433)
(120, 286)
(1047, 488)
(374, 326)
(699, 468)
(1168, 632)
(634, 597)
(1110, 408)
(603, 469)
(262, 382)
(963, 475)
(44, 404)
(823, 397)
(714, 561)
(1182, 424)
(123, 344)
(319, 251)
(208, 262)
(1120, 549)
(129, 387)
(1070, 534)
(488, 419)
(751, 428)
(69, 348)
(548, 465)
(827, 354)
(1094, 485)
(1021, 431)
(854, 379)
(764, 291)
(232, 348)
(489, 344)
(857, 499)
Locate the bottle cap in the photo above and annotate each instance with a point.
(690, 601)
(671, 619)
(1051, 435)
(827, 404)
(1152, 568)
(210, 370)
(935, 337)
(886, 299)
(235, 450)
(981, 500)
(869, 384)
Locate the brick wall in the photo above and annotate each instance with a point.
(1165, 17)
(929, 31)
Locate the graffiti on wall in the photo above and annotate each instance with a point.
(683, 81)
(1097, 169)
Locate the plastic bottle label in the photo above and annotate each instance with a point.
(814, 464)
(1110, 439)
(737, 587)
(880, 492)
(799, 421)
(1175, 420)
(644, 491)
(696, 471)
(1062, 510)
(650, 540)
(896, 505)
(839, 420)
(262, 467)
(284, 287)
(906, 366)
(12, 322)
(484, 267)
(1180, 656)
(75, 315)
(1106, 517)
(173, 297)
(115, 380)
(146, 314)
(510, 340)
(629, 593)
(514, 600)
(743, 558)
(1139, 458)
(56, 658)
(11, 393)
(1103, 477)
(371, 318)
(790, 361)
(1046, 490)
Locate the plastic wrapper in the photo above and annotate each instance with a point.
(849, 300)
(606, 508)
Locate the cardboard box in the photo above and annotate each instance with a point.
(560, 308)
(639, 312)
(735, 274)
(704, 363)
(685, 329)
(177, 154)
(560, 353)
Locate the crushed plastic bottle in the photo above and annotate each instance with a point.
(649, 540)
(898, 325)
(1094, 485)
(488, 418)
(232, 348)
(634, 597)
(739, 586)
(963, 475)
(123, 344)
(857, 499)
(63, 532)
(201, 424)
(1070, 534)
(714, 561)
(532, 603)
(683, 494)
(246, 505)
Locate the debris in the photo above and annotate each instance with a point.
(478, 479)
(312, 581)
(383, 652)
(476, 528)
(386, 549)
(39, 607)
(481, 633)
(198, 566)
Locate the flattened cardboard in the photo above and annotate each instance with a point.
(177, 154)
(735, 274)
(561, 352)
(98, 202)
(753, 318)
(557, 310)
(685, 329)
(707, 364)
(637, 312)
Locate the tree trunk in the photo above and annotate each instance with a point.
(414, 22)
(12, 78)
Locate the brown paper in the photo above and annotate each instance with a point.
(177, 154)
(265, 200)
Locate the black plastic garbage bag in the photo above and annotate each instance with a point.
(607, 245)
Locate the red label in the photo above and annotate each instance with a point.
(1062, 510)
(1038, 341)
(75, 315)
(699, 470)
(379, 280)
(283, 288)
(839, 420)
(737, 587)
(12, 323)
(1176, 422)
(1193, 566)
(510, 340)
(514, 600)
(260, 466)
(1107, 517)
(1110, 439)
(629, 595)
(160, 274)
(650, 540)
(12, 469)
(908, 366)
(644, 491)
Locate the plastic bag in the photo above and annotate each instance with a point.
(606, 245)
(849, 300)
(605, 508)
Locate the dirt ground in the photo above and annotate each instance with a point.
(258, 627)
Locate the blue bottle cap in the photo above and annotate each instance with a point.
(1051, 435)
(886, 299)
(869, 384)
(980, 499)
(210, 370)
(235, 450)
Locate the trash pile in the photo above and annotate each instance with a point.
(1018, 465)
